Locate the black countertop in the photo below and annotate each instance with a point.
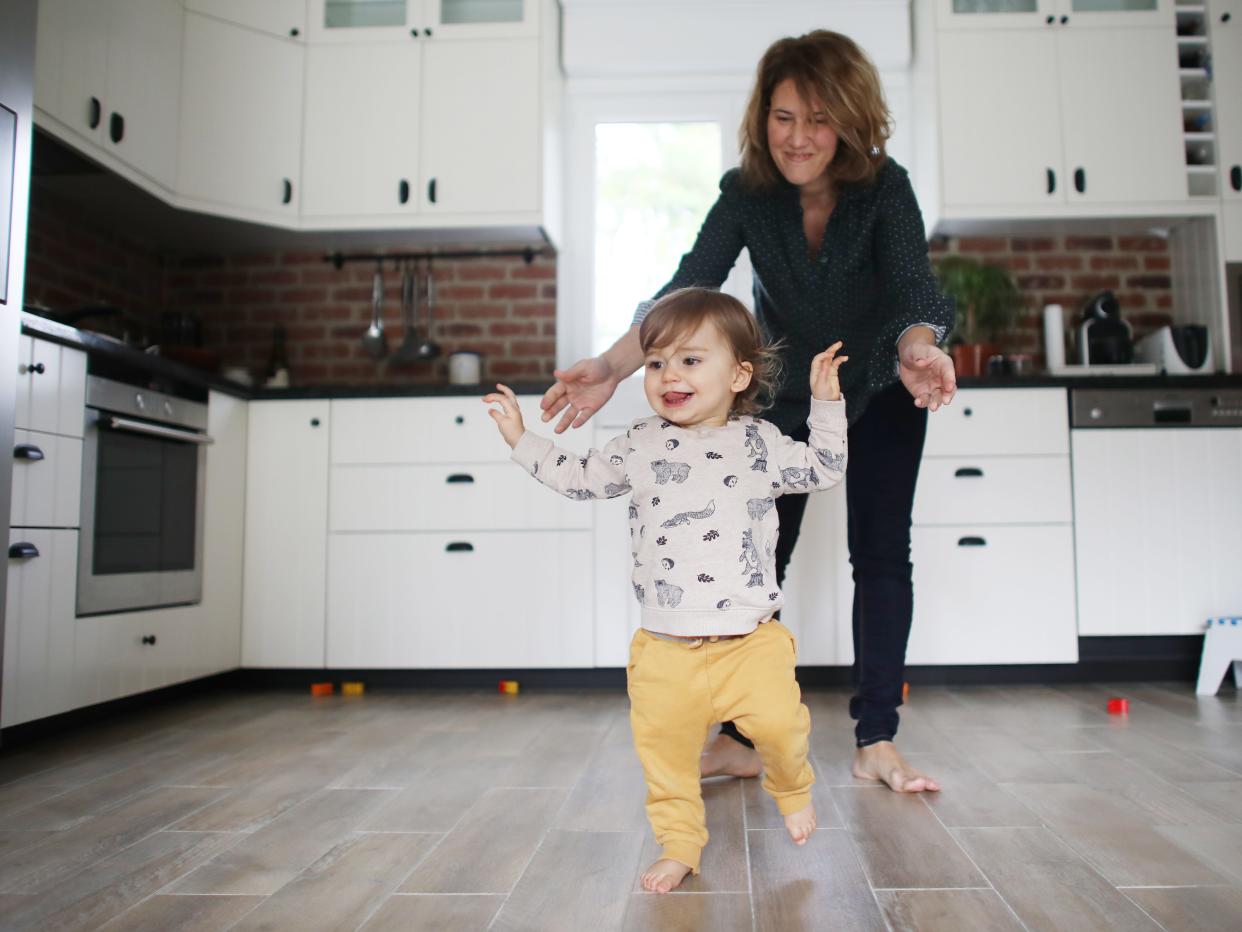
(113, 350)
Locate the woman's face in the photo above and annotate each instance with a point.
(800, 140)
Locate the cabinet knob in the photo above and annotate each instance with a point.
(314, 422)
(37, 369)
(1080, 180)
(459, 420)
(295, 32)
(148, 639)
(27, 451)
(116, 127)
(1235, 177)
(967, 412)
(427, 32)
(23, 550)
(414, 32)
(403, 192)
(94, 114)
(1064, 20)
(1052, 180)
(1051, 19)
(1225, 17)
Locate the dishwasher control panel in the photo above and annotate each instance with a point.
(1156, 407)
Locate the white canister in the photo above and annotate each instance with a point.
(465, 368)
(1054, 336)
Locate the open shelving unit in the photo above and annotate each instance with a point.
(1194, 55)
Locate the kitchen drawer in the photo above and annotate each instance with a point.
(47, 491)
(127, 653)
(481, 599)
(51, 388)
(477, 496)
(994, 490)
(993, 595)
(1000, 422)
(430, 430)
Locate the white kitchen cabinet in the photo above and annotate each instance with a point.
(286, 534)
(481, 137)
(131, 652)
(241, 138)
(1225, 33)
(51, 388)
(1050, 128)
(39, 624)
(1158, 528)
(361, 136)
(992, 541)
(429, 20)
(285, 18)
(1052, 14)
(107, 73)
(47, 480)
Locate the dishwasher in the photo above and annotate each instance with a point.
(1157, 477)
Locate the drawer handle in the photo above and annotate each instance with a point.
(148, 640)
(460, 477)
(27, 451)
(969, 472)
(459, 547)
(971, 542)
(23, 550)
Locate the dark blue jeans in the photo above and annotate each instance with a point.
(885, 447)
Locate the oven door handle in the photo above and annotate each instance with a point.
(155, 430)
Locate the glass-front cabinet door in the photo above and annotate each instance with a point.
(1011, 14)
(370, 20)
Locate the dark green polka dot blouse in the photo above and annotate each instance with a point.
(870, 282)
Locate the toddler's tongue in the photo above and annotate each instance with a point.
(675, 398)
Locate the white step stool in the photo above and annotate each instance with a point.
(1222, 645)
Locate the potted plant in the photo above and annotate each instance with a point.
(987, 301)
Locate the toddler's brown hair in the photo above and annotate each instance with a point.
(679, 313)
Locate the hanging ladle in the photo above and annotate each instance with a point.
(373, 340)
(428, 348)
(408, 351)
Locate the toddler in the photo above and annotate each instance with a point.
(704, 474)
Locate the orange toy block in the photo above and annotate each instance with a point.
(905, 690)
(509, 687)
(321, 689)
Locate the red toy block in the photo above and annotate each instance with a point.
(1118, 706)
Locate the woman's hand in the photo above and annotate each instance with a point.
(927, 373)
(825, 385)
(580, 391)
(509, 417)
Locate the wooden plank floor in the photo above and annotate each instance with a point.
(472, 811)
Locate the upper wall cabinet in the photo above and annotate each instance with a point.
(399, 20)
(285, 18)
(1225, 36)
(240, 141)
(1019, 14)
(107, 74)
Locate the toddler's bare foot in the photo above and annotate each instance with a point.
(664, 875)
(801, 824)
(726, 757)
(880, 761)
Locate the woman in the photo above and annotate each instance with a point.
(837, 244)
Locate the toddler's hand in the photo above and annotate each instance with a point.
(825, 386)
(509, 417)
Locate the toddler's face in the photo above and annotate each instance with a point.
(692, 381)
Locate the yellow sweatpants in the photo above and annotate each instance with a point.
(678, 690)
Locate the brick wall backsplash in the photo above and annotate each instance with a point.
(498, 306)
(1067, 270)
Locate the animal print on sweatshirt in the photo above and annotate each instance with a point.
(709, 568)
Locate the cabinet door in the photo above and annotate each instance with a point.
(71, 64)
(993, 595)
(46, 491)
(481, 127)
(143, 101)
(1158, 528)
(1000, 137)
(1105, 14)
(365, 20)
(218, 640)
(360, 149)
(51, 392)
(242, 145)
(1226, 39)
(39, 627)
(467, 600)
(994, 14)
(286, 18)
(1121, 114)
(481, 19)
(286, 531)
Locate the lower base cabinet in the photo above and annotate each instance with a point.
(459, 600)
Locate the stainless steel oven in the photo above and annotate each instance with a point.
(143, 466)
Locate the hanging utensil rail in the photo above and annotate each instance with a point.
(527, 254)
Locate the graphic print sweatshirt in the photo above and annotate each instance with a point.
(703, 522)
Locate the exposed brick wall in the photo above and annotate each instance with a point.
(497, 306)
(1068, 270)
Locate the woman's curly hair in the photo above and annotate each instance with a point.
(679, 313)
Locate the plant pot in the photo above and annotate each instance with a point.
(971, 359)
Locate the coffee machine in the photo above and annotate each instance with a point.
(1103, 337)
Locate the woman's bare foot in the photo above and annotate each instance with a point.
(880, 761)
(726, 757)
(801, 824)
(664, 875)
